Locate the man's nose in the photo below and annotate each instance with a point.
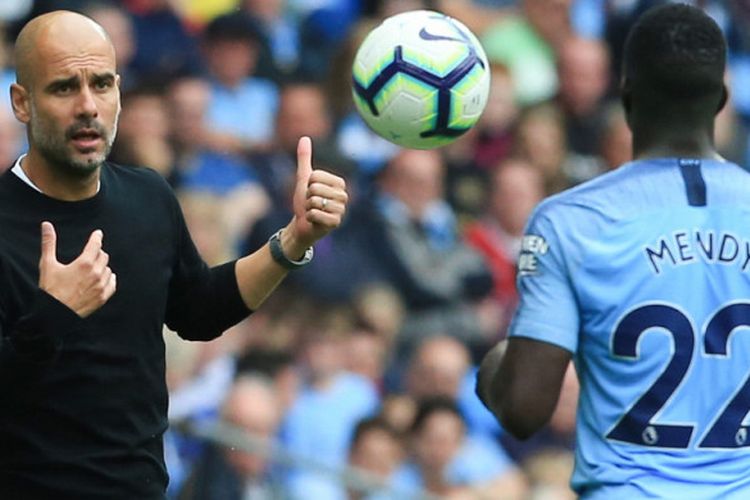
(86, 105)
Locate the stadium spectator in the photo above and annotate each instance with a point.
(399, 411)
(198, 168)
(526, 43)
(143, 134)
(516, 187)
(323, 27)
(365, 353)
(231, 46)
(378, 449)
(541, 141)
(331, 401)
(478, 15)
(447, 462)
(164, 46)
(413, 235)
(277, 365)
(497, 123)
(584, 76)
(379, 307)
(441, 366)
(234, 474)
(281, 31)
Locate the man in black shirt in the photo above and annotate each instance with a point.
(94, 259)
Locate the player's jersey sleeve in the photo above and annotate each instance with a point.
(547, 309)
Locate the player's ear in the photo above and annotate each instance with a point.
(21, 102)
(724, 98)
(626, 96)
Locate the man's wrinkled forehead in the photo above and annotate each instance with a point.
(60, 40)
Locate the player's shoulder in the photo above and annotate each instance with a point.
(644, 185)
(591, 197)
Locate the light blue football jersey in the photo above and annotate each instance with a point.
(644, 275)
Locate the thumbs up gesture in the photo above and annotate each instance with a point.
(320, 201)
(85, 284)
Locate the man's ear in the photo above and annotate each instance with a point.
(724, 98)
(626, 97)
(21, 102)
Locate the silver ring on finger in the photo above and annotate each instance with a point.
(324, 203)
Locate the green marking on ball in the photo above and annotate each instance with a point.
(365, 75)
(361, 104)
(458, 117)
(438, 64)
(402, 83)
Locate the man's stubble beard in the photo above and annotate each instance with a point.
(54, 146)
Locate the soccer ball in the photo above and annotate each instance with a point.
(420, 79)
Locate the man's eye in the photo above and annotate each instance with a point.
(103, 85)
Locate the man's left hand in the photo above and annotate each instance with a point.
(320, 201)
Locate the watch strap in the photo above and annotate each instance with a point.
(274, 243)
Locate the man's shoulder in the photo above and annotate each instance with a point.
(137, 186)
(7, 177)
(131, 175)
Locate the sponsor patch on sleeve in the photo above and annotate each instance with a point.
(532, 247)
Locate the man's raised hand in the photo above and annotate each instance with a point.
(85, 284)
(320, 200)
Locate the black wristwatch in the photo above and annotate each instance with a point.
(277, 253)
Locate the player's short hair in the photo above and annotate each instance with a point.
(675, 52)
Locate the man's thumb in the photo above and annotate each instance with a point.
(304, 162)
(49, 242)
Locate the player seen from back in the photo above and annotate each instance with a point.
(642, 277)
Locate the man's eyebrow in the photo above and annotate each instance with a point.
(103, 77)
(62, 82)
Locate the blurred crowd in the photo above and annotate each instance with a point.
(366, 357)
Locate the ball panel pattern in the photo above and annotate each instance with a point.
(420, 79)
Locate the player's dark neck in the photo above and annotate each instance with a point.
(659, 139)
(664, 127)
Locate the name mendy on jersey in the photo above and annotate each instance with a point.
(688, 247)
(531, 246)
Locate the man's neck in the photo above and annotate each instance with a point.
(54, 182)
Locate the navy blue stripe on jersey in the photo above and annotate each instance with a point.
(695, 186)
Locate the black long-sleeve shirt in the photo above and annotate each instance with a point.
(83, 402)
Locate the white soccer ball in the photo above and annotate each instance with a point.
(420, 79)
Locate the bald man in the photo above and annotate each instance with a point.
(232, 474)
(94, 259)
